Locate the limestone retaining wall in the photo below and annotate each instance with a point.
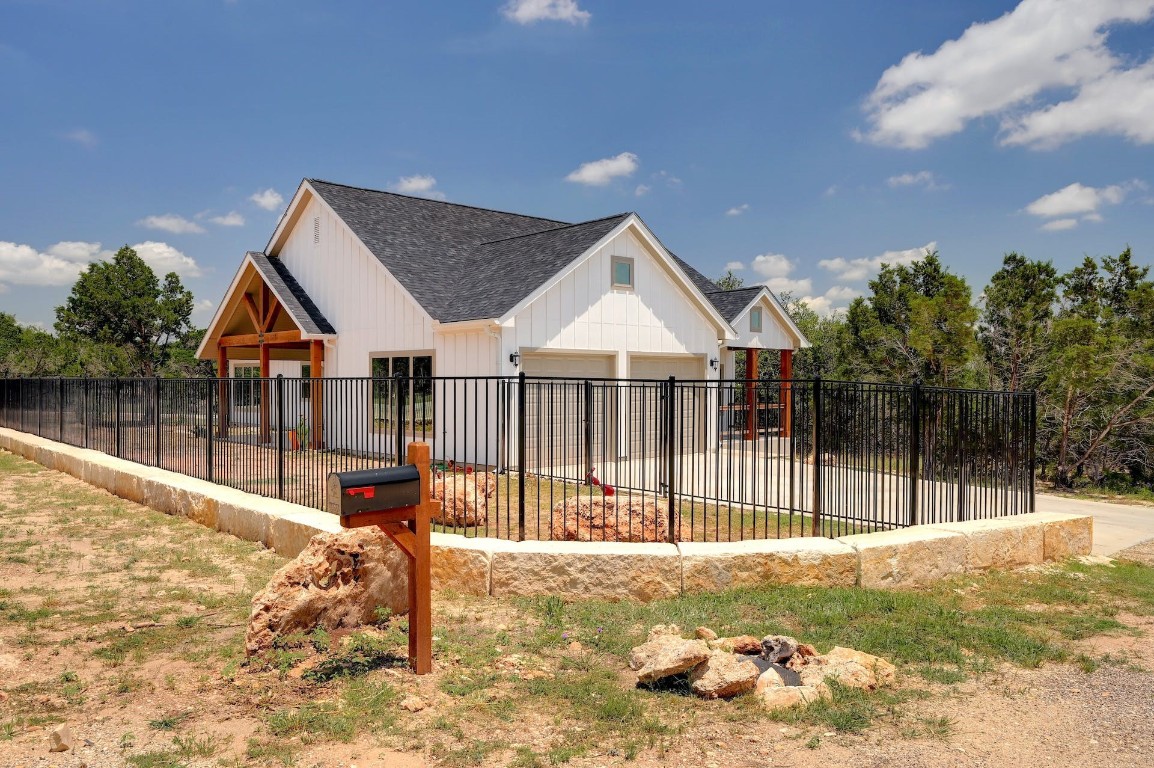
(909, 557)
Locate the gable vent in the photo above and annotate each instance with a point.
(316, 230)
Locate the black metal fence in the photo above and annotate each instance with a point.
(577, 459)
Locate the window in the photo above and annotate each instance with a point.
(415, 385)
(246, 392)
(755, 320)
(306, 386)
(622, 272)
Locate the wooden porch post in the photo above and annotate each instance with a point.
(751, 394)
(317, 368)
(786, 398)
(264, 392)
(222, 391)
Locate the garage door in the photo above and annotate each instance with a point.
(646, 404)
(566, 419)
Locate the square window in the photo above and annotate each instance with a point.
(755, 320)
(415, 386)
(622, 272)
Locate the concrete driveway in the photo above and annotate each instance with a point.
(1116, 526)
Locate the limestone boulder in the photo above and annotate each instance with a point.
(464, 498)
(743, 644)
(777, 648)
(608, 518)
(705, 633)
(853, 669)
(723, 675)
(783, 697)
(338, 581)
(665, 656)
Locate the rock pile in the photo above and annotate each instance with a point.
(464, 498)
(608, 518)
(780, 671)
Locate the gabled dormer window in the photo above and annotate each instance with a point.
(621, 272)
(755, 320)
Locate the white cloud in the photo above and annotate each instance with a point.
(771, 265)
(920, 179)
(163, 258)
(81, 136)
(1058, 225)
(842, 292)
(852, 270)
(1077, 199)
(62, 263)
(230, 219)
(419, 185)
(792, 285)
(171, 222)
(642, 190)
(598, 173)
(532, 11)
(737, 210)
(832, 301)
(734, 266)
(203, 309)
(669, 179)
(269, 199)
(1043, 70)
(830, 191)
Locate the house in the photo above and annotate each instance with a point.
(362, 283)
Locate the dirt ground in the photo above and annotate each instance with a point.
(127, 625)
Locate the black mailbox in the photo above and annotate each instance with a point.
(373, 490)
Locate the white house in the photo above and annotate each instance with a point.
(363, 283)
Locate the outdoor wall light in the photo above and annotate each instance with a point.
(515, 359)
(713, 363)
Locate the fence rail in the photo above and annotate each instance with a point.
(587, 459)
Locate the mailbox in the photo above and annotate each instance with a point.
(373, 490)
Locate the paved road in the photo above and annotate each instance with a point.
(1116, 526)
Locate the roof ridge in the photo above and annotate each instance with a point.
(431, 200)
(757, 287)
(555, 229)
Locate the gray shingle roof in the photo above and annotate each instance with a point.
(730, 303)
(461, 262)
(294, 300)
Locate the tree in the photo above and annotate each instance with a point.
(1097, 409)
(917, 324)
(729, 281)
(120, 304)
(827, 337)
(1016, 321)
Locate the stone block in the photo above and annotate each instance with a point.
(1065, 535)
(1003, 542)
(713, 567)
(587, 570)
(909, 557)
(462, 564)
(292, 526)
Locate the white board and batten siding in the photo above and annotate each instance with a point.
(372, 314)
(582, 312)
(773, 335)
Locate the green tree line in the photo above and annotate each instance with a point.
(1082, 340)
(119, 320)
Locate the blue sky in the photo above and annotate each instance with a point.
(805, 142)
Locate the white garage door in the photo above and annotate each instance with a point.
(566, 419)
(646, 404)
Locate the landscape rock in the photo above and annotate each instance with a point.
(777, 648)
(605, 518)
(660, 630)
(60, 739)
(666, 655)
(464, 498)
(704, 633)
(884, 671)
(850, 668)
(337, 582)
(773, 698)
(723, 675)
(743, 644)
(413, 703)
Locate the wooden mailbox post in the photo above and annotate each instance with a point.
(388, 499)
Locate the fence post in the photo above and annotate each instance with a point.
(60, 409)
(212, 384)
(670, 457)
(156, 417)
(962, 436)
(40, 407)
(521, 456)
(280, 436)
(116, 413)
(399, 382)
(84, 413)
(588, 432)
(915, 449)
(1033, 432)
(817, 455)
